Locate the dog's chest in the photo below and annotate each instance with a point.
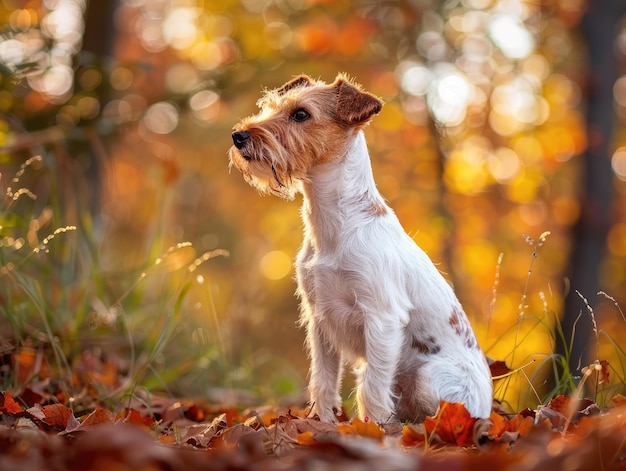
(337, 310)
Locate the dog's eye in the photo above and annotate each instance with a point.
(300, 115)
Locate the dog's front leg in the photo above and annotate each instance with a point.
(325, 381)
(383, 342)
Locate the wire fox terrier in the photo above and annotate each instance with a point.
(369, 295)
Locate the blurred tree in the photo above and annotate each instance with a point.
(96, 57)
(599, 29)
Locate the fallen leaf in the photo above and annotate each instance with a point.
(555, 418)
(305, 438)
(412, 436)
(56, 415)
(284, 438)
(498, 368)
(8, 404)
(453, 424)
(522, 424)
(528, 413)
(322, 431)
(499, 425)
(362, 428)
(98, 417)
(619, 400)
(568, 405)
(30, 397)
(28, 363)
(133, 416)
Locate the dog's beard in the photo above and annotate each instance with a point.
(265, 176)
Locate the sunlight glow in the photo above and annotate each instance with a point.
(180, 28)
(12, 52)
(205, 105)
(275, 265)
(618, 162)
(415, 80)
(449, 97)
(161, 118)
(511, 36)
(57, 81)
(504, 164)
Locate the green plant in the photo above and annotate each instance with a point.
(544, 375)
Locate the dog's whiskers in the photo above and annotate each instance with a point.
(276, 178)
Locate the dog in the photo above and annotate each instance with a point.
(370, 297)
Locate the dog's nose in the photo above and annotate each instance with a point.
(240, 138)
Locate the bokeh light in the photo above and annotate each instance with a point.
(161, 118)
(276, 265)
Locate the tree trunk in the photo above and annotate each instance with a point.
(599, 30)
(97, 51)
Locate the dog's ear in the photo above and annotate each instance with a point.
(299, 81)
(354, 105)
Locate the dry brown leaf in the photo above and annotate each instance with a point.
(498, 368)
(57, 415)
(99, 416)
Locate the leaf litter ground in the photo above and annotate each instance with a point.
(44, 427)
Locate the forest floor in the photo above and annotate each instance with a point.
(69, 424)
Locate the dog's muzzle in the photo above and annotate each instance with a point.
(240, 138)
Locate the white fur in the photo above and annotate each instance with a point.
(372, 298)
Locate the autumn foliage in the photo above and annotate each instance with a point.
(43, 426)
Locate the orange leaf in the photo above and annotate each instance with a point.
(28, 362)
(453, 423)
(98, 417)
(56, 415)
(270, 417)
(8, 404)
(305, 438)
(411, 437)
(522, 424)
(368, 429)
(619, 400)
(195, 413)
(560, 404)
(499, 425)
(167, 439)
(133, 416)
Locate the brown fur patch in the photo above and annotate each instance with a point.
(458, 321)
(426, 346)
(378, 209)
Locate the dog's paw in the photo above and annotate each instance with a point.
(327, 414)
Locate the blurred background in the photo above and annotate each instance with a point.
(501, 147)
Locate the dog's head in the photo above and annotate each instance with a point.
(300, 125)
